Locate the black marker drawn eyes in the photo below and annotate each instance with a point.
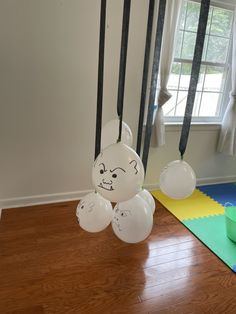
(103, 169)
(118, 168)
(81, 205)
(135, 165)
(125, 213)
(114, 175)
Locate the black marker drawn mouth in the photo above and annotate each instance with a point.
(105, 188)
(117, 225)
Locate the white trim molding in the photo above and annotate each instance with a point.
(200, 181)
(42, 199)
(196, 127)
(77, 195)
(216, 180)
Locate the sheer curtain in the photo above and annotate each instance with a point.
(167, 53)
(227, 139)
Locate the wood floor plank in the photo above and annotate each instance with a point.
(49, 265)
(29, 310)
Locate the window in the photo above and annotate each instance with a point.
(209, 97)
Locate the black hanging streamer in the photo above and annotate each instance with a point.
(100, 78)
(202, 24)
(155, 69)
(145, 74)
(122, 68)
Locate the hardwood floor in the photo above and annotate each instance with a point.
(49, 265)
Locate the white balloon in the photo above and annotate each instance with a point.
(94, 213)
(177, 180)
(147, 196)
(110, 133)
(133, 220)
(118, 173)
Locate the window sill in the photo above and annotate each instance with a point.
(195, 126)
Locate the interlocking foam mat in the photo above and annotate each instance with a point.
(203, 214)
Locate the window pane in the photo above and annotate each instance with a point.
(221, 22)
(201, 78)
(185, 76)
(205, 48)
(209, 104)
(197, 102)
(181, 103)
(217, 49)
(192, 17)
(219, 105)
(209, 20)
(213, 79)
(188, 45)
(169, 106)
(178, 44)
(173, 82)
(182, 15)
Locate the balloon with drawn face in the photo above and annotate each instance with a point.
(132, 220)
(118, 173)
(147, 196)
(94, 213)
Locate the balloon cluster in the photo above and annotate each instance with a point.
(118, 176)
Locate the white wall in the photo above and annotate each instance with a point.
(210, 166)
(48, 86)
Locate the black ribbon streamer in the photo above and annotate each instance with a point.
(122, 68)
(155, 69)
(145, 74)
(202, 24)
(100, 78)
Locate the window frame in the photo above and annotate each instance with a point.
(224, 98)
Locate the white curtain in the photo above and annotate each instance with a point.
(167, 53)
(227, 139)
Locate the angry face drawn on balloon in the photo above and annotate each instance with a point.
(110, 177)
(118, 173)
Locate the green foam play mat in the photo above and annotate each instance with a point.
(204, 216)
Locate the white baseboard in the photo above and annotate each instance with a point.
(77, 195)
(216, 180)
(42, 199)
(200, 181)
